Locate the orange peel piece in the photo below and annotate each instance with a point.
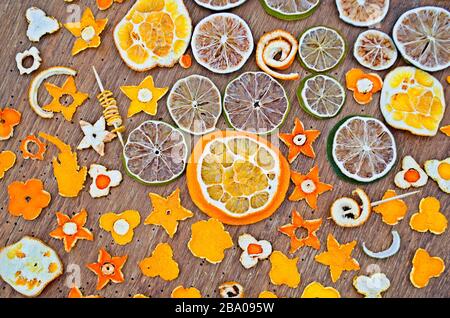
(9, 118)
(106, 4)
(160, 263)
(75, 292)
(424, 268)
(429, 218)
(167, 212)
(144, 97)
(317, 290)
(300, 141)
(312, 226)
(393, 211)
(347, 212)
(209, 240)
(231, 290)
(185, 61)
(27, 154)
(446, 130)
(338, 257)
(108, 269)
(7, 161)
(68, 89)
(71, 229)
(267, 294)
(69, 176)
(87, 31)
(182, 292)
(27, 199)
(284, 270)
(121, 225)
(275, 51)
(308, 187)
(363, 85)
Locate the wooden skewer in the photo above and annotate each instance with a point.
(102, 89)
(394, 198)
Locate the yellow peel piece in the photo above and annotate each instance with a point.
(317, 290)
(160, 263)
(284, 270)
(182, 292)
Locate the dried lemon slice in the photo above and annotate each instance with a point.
(413, 100)
(153, 33)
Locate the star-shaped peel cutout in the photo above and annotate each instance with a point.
(167, 212)
(95, 136)
(70, 230)
(108, 268)
(338, 257)
(299, 223)
(300, 141)
(68, 89)
(308, 187)
(144, 97)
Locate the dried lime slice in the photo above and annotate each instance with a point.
(155, 153)
(321, 96)
(321, 49)
(290, 9)
(195, 104)
(218, 5)
(361, 149)
(362, 13)
(255, 102)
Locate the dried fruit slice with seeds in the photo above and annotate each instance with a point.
(321, 48)
(362, 13)
(321, 96)
(375, 50)
(219, 5)
(195, 104)
(222, 43)
(290, 10)
(255, 102)
(422, 36)
(155, 153)
(361, 149)
(237, 177)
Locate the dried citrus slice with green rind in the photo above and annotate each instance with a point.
(291, 9)
(218, 5)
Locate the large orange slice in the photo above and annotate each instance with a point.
(153, 33)
(237, 177)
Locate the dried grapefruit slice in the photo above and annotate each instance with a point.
(375, 50)
(153, 33)
(413, 100)
(155, 153)
(222, 43)
(290, 10)
(195, 104)
(237, 177)
(321, 48)
(255, 102)
(361, 149)
(218, 5)
(422, 36)
(362, 13)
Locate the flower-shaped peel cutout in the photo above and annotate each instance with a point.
(9, 118)
(167, 212)
(253, 250)
(393, 211)
(7, 161)
(27, 199)
(317, 290)
(27, 154)
(424, 268)
(371, 286)
(429, 218)
(182, 292)
(103, 180)
(300, 141)
(121, 225)
(411, 175)
(108, 268)
(267, 294)
(39, 24)
(95, 136)
(209, 240)
(284, 270)
(312, 226)
(363, 85)
(160, 263)
(71, 229)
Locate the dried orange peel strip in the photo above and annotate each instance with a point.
(317, 290)
(27, 154)
(429, 218)
(278, 43)
(7, 161)
(160, 263)
(284, 270)
(424, 268)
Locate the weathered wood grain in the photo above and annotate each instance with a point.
(55, 50)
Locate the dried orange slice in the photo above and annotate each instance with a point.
(362, 13)
(236, 177)
(422, 36)
(375, 50)
(412, 100)
(218, 5)
(153, 33)
(222, 42)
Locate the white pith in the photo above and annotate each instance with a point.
(70, 228)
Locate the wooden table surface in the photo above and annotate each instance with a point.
(55, 50)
